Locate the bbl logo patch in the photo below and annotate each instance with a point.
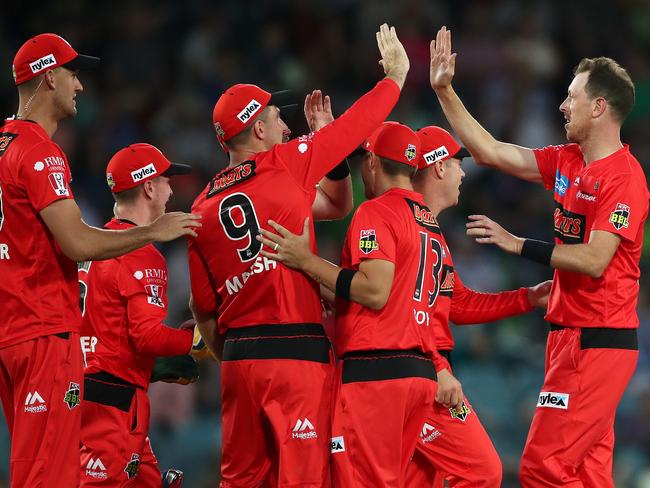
(132, 466)
(73, 396)
(110, 181)
(154, 295)
(620, 216)
(410, 152)
(368, 241)
(460, 413)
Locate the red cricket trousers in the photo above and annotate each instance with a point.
(276, 389)
(41, 383)
(380, 402)
(115, 447)
(454, 446)
(571, 438)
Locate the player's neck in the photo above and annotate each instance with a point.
(41, 114)
(383, 183)
(600, 144)
(138, 214)
(245, 153)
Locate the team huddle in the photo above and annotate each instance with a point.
(82, 331)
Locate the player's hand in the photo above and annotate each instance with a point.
(443, 62)
(172, 225)
(538, 294)
(175, 369)
(450, 391)
(318, 110)
(393, 55)
(199, 350)
(290, 249)
(487, 231)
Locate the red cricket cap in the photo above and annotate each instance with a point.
(138, 163)
(47, 51)
(238, 107)
(438, 145)
(394, 141)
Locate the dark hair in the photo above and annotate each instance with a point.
(394, 168)
(242, 137)
(607, 79)
(127, 197)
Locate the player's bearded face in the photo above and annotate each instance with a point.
(454, 175)
(577, 109)
(67, 87)
(163, 193)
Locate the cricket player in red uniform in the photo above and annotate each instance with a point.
(601, 205)
(384, 287)
(453, 445)
(124, 304)
(42, 237)
(277, 368)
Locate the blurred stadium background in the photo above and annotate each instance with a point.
(164, 64)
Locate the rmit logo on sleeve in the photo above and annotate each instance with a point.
(551, 399)
(42, 63)
(250, 110)
(142, 173)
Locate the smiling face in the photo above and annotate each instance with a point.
(577, 109)
(453, 178)
(162, 192)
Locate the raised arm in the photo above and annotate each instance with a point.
(334, 192)
(485, 149)
(81, 242)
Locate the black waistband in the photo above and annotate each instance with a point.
(306, 342)
(605, 337)
(386, 365)
(63, 335)
(109, 390)
(446, 353)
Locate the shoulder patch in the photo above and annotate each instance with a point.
(620, 217)
(6, 138)
(368, 241)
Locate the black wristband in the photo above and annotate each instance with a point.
(344, 282)
(538, 251)
(342, 170)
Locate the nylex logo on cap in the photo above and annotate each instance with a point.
(47, 51)
(438, 145)
(138, 163)
(394, 141)
(238, 107)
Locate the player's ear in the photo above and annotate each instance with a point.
(148, 188)
(599, 106)
(258, 129)
(49, 79)
(439, 169)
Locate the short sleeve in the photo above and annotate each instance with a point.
(46, 175)
(622, 206)
(204, 292)
(547, 160)
(371, 235)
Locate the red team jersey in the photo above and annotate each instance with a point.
(610, 195)
(395, 227)
(228, 275)
(125, 301)
(38, 290)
